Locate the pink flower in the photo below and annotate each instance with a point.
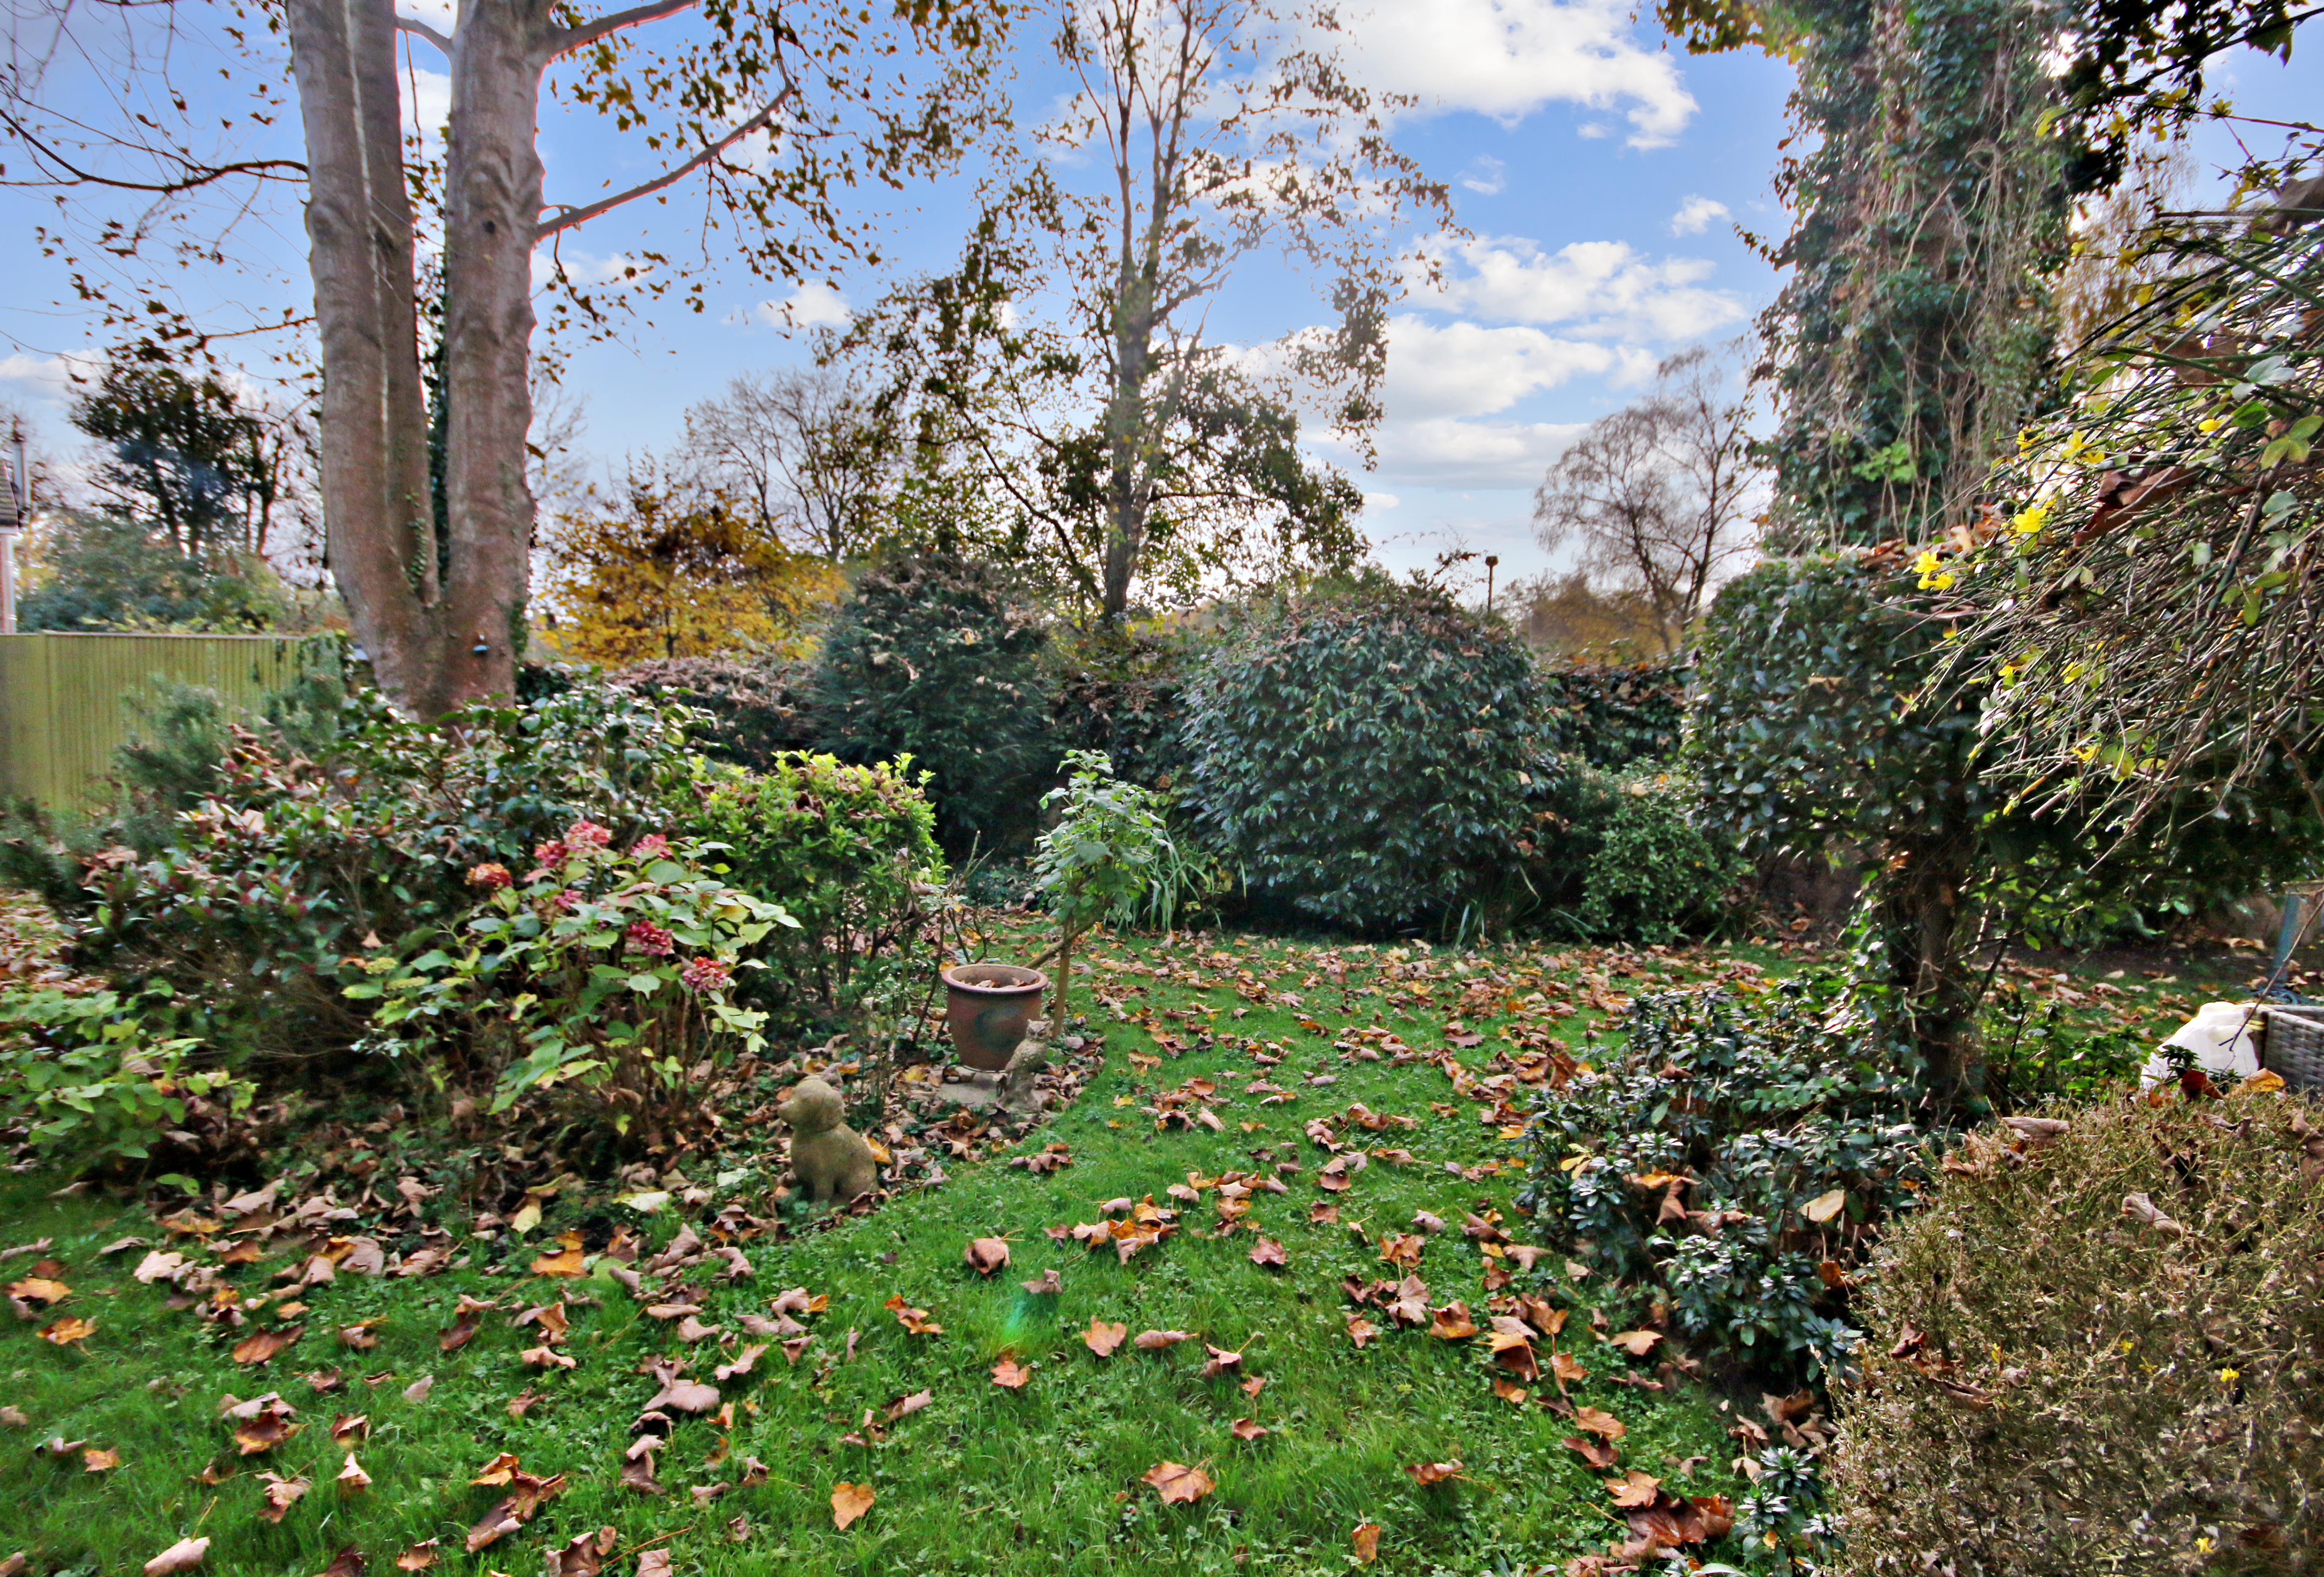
(549, 856)
(706, 974)
(567, 901)
(650, 845)
(644, 936)
(491, 876)
(586, 834)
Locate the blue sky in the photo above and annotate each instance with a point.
(1599, 174)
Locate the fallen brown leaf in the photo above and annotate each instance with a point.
(278, 1494)
(182, 1556)
(1178, 1484)
(566, 1261)
(849, 1502)
(1365, 1539)
(1433, 1473)
(1101, 1338)
(986, 1255)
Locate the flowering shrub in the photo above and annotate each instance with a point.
(602, 971)
(1735, 1161)
(390, 834)
(851, 852)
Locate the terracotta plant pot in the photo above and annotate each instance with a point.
(987, 1008)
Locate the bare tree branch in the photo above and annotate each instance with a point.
(566, 217)
(412, 25)
(588, 32)
(200, 175)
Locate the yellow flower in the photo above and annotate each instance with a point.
(2029, 522)
(2210, 423)
(2228, 1376)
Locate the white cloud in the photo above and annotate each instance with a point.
(1380, 501)
(1467, 369)
(1508, 59)
(427, 99)
(46, 378)
(811, 305)
(1472, 454)
(1602, 287)
(1695, 214)
(1484, 175)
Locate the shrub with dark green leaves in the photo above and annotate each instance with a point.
(2099, 1347)
(1732, 1160)
(1364, 756)
(1628, 858)
(1614, 715)
(850, 851)
(1122, 693)
(752, 712)
(289, 861)
(937, 658)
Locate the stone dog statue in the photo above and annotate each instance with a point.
(829, 1159)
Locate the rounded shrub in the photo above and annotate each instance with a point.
(850, 852)
(1628, 859)
(1363, 756)
(2100, 1348)
(936, 659)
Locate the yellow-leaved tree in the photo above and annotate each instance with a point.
(671, 568)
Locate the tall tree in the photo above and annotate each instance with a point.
(1134, 443)
(1660, 494)
(182, 455)
(1912, 333)
(668, 568)
(801, 444)
(774, 108)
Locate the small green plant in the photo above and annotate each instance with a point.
(89, 1081)
(1630, 859)
(1111, 855)
(605, 973)
(1732, 1161)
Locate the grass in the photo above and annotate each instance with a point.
(1046, 1478)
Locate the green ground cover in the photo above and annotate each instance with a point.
(1049, 1477)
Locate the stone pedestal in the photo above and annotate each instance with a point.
(975, 1088)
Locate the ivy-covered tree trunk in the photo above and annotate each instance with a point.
(1918, 900)
(1914, 331)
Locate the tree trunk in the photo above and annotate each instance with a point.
(378, 538)
(493, 179)
(436, 641)
(1125, 489)
(1920, 917)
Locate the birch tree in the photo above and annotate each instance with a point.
(1073, 352)
(767, 109)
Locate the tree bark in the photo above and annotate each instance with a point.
(493, 204)
(1921, 913)
(378, 534)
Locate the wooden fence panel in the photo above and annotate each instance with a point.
(67, 701)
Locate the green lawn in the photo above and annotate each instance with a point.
(1045, 1478)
